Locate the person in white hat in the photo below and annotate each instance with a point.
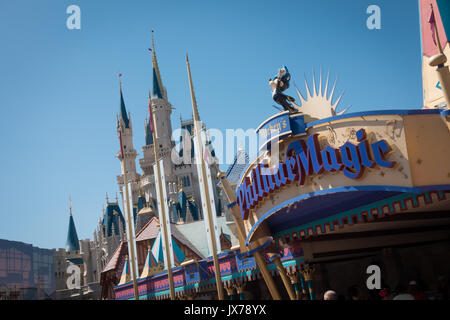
(414, 290)
(330, 295)
(402, 294)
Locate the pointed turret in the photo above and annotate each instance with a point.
(191, 86)
(72, 243)
(158, 88)
(148, 134)
(125, 135)
(123, 109)
(113, 221)
(161, 110)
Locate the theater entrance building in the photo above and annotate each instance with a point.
(351, 191)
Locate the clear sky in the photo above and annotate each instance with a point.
(59, 91)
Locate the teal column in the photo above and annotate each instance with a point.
(302, 283)
(307, 272)
(311, 295)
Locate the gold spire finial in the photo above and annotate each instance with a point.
(191, 86)
(153, 42)
(70, 205)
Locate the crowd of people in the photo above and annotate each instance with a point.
(412, 291)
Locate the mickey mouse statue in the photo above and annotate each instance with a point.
(280, 84)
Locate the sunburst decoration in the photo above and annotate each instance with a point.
(318, 105)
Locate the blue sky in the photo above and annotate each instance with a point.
(59, 89)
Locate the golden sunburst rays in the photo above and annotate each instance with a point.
(319, 104)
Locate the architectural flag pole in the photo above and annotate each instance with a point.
(162, 214)
(439, 60)
(267, 276)
(204, 186)
(131, 243)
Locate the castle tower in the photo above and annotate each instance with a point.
(162, 110)
(72, 242)
(73, 254)
(124, 121)
(435, 33)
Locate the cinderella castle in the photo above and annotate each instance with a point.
(92, 256)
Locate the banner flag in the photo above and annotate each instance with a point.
(131, 238)
(199, 159)
(166, 211)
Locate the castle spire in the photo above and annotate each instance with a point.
(148, 133)
(191, 86)
(123, 110)
(72, 243)
(158, 89)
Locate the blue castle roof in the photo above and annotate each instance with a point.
(194, 210)
(112, 216)
(179, 208)
(182, 201)
(123, 111)
(175, 212)
(72, 243)
(141, 203)
(156, 92)
(148, 134)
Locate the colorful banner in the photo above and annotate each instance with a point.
(166, 213)
(442, 21)
(199, 159)
(131, 238)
